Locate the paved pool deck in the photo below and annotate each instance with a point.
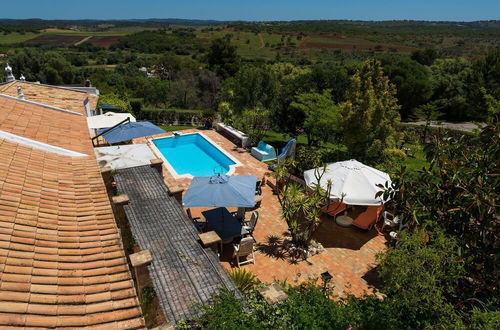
(350, 253)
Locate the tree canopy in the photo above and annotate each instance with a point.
(222, 58)
(370, 113)
(321, 116)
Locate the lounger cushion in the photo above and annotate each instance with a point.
(334, 208)
(369, 217)
(264, 152)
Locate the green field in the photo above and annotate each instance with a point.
(112, 32)
(249, 44)
(88, 34)
(14, 38)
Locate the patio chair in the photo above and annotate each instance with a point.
(287, 152)
(249, 226)
(264, 152)
(258, 201)
(390, 220)
(200, 225)
(334, 209)
(244, 249)
(239, 214)
(225, 241)
(366, 219)
(258, 187)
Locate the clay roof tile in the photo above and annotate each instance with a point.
(61, 260)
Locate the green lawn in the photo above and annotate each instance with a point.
(14, 38)
(413, 163)
(417, 161)
(175, 128)
(279, 140)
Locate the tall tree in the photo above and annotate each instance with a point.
(412, 80)
(321, 116)
(251, 87)
(222, 58)
(254, 122)
(424, 56)
(370, 114)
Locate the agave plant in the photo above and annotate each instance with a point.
(243, 278)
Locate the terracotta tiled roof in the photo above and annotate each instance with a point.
(51, 95)
(61, 259)
(58, 128)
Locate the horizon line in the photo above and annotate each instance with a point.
(251, 21)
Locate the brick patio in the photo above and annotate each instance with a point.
(350, 253)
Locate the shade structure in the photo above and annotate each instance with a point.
(221, 191)
(109, 119)
(357, 181)
(128, 131)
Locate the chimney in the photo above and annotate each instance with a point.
(20, 94)
(22, 78)
(8, 73)
(87, 83)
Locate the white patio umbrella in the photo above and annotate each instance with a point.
(109, 119)
(355, 180)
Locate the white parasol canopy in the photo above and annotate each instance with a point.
(355, 180)
(109, 119)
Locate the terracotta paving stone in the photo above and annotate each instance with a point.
(59, 243)
(349, 255)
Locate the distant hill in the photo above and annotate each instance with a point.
(161, 22)
(89, 23)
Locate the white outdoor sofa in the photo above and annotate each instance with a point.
(234, 133)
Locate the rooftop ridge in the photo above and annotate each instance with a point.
(39, 145)
(40, 105)
(40, 84)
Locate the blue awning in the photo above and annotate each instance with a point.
(129, 131)
(221, 191)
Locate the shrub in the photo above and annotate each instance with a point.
(243, 278)
(392, 158)
(136, 108)
(421, 277)
(307, 307)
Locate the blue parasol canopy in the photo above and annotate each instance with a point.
(129, 131)
(221, 190)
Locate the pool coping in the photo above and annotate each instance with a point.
(173, 172)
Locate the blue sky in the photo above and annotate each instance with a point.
(458, 10)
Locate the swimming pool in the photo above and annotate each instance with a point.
(193, 154)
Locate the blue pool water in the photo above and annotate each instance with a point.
(193, 154)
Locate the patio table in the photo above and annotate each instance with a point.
(223, 223)
(344, 220)
(210, 239)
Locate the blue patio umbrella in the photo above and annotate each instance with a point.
(129, 131)
(221, 191)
